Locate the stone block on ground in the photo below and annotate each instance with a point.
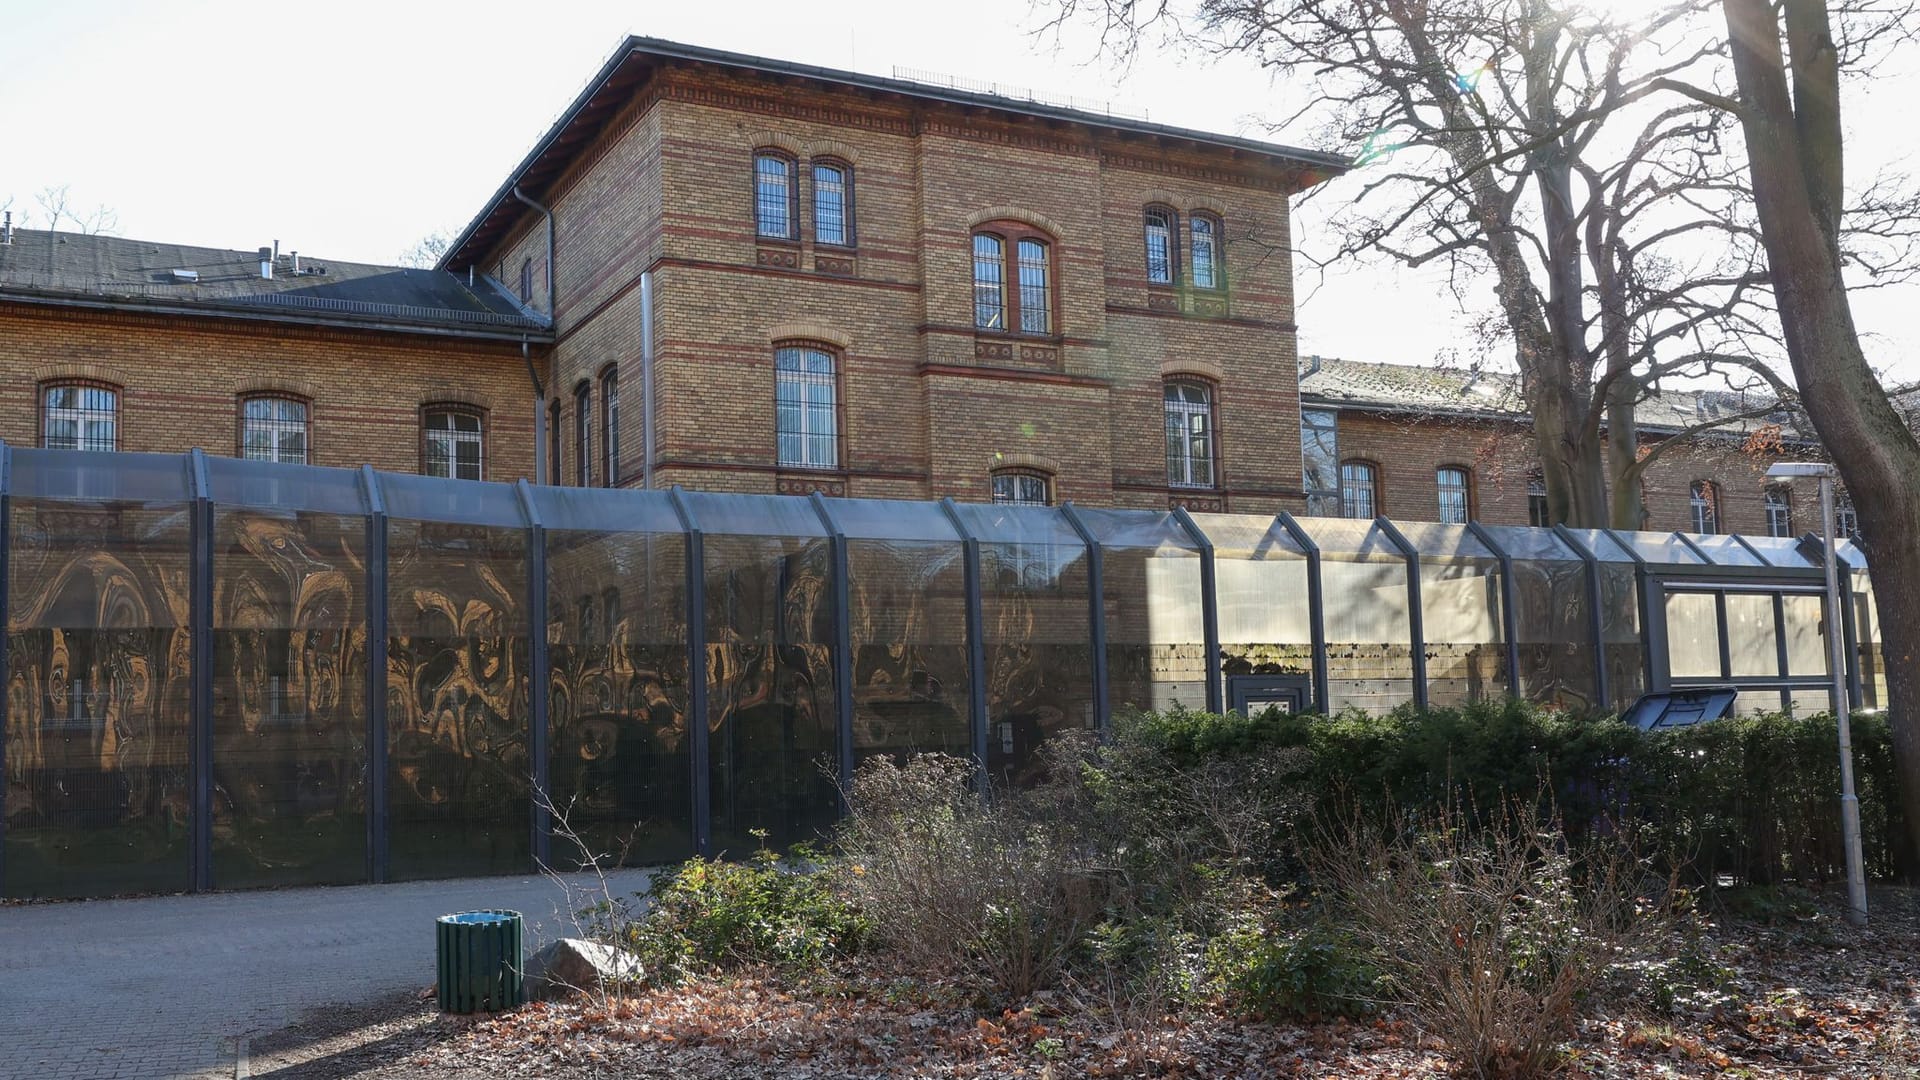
(572, 964)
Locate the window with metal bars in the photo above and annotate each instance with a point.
(1846, 522)
(832, 204)
(1013, 253)
(583, 434)
(77, 416)
(1538, 515)
(1162, 245)
(1022, 487)
(610, 424)
(806, 416)
(1453, 484)
(1779, 511)
(1036, 290)
(274, 429)
(1704, 501)
(554, 472)
(1359, 490)
(774, 197)
(1205, 231)
(1189, 409)
(455, 446)
(989, 282)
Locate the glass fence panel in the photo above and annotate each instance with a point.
(1693, 636)
(289, 697)
(1553, 617)
(1460, 614)
(1805, 628)
(1866, 627)
(892, 519)
(97, 778)
(771, 721)
(909, 635)
(1724, 550)
(1753, 643)
(1658, 547)
(1807, 702)
(1156, 619)
(462, 502)
(1782, 551)
(1363, 579)
(458, 776)
(618, 765)
(1034, 603)
(1622, 645)
(718, 513)
(267, 485)
(1260, 584)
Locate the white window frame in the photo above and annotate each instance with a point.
(1461, 493)
(1189, 422)
(1703, 503)
(450, 438)
(276, 428)
(1351, 504)
(1022, 487)
(94, 414)
(1779, 507)
(806, 407)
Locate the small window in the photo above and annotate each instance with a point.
(1020, 256)
(274, 429)
(1705, 503)
(832, 204)
(1162, 245)
(1453, 482)
(1845, 521)
(78, 416)
(526, 281)
(583, 434)
(1205, 230)
(454, 444)
(1537, 514)
(554, 473)
(774, 198)
(806, 417)
(610, 424)
(1359, 487)
(1189, 413)
(1022, 487)
(1779, 511)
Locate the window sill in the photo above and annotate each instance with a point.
(1036, 351)
(771, 251)
(829, 480)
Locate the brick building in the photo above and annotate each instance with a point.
(880, 288)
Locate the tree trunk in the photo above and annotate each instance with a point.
(1794, 148)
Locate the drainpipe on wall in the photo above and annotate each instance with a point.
(553, 306)
(646, 378)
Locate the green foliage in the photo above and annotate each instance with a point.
(710, 915)
(1292, 972)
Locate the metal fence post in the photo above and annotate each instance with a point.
(842, 645)
(976, 643)
(1596, 614)
(200, 638)
(1096, 621)
(1209, 610)
(1316, 608)
(377, 631)
(540, 679)
(1509, 619)
(1416, 623)
(698, 752)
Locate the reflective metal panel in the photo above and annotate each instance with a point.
(1553, 622)
(908, 629)
(1260, 576)
(239, 482)
(1369, 642)
(1156, 632)
(1460, 592)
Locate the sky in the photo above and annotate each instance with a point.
(350, 129)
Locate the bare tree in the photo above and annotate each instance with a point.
(426, 251)
(1788, 59)
(56, 206)
(1536, 146)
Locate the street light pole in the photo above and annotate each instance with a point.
(1837, 668)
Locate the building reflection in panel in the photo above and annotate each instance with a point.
(1369, 642)
(459, 779)
(1038, 638)
(1156, 631)
(1553, 617)
(1625, 652)
(618, 764)
(97, 776)
(1260, 580)
(1465, 634)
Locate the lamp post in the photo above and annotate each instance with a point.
(1837, 671)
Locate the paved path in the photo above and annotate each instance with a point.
(163, 988)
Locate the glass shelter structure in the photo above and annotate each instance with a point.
(225, 673)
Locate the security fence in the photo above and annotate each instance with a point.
(224, 673)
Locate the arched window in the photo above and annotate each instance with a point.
(1022, 487)
(1705, 504)
(1013, 253)
(1455, 494)
(832, 203)
(806, 411)
(554, 473)
(455, 443)
(610, 424)
(1779, 511)
(526, 281)
(1163, 245)
(80, 416)
(273, 429)
(1206, 232)
(583, 434)
(1359, 489)
(1189, 409)
(775, 200)
(1537, 514)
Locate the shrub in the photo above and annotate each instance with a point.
(709, 915)
(1304, 972)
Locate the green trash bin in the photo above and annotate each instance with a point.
(481, 968)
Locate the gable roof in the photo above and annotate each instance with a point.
(638, 58)
(81, 270)
(1472, 394)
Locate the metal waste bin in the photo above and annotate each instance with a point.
(481, 967)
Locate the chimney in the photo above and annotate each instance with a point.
(6, 228)
(296, 264)
(266, 263)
